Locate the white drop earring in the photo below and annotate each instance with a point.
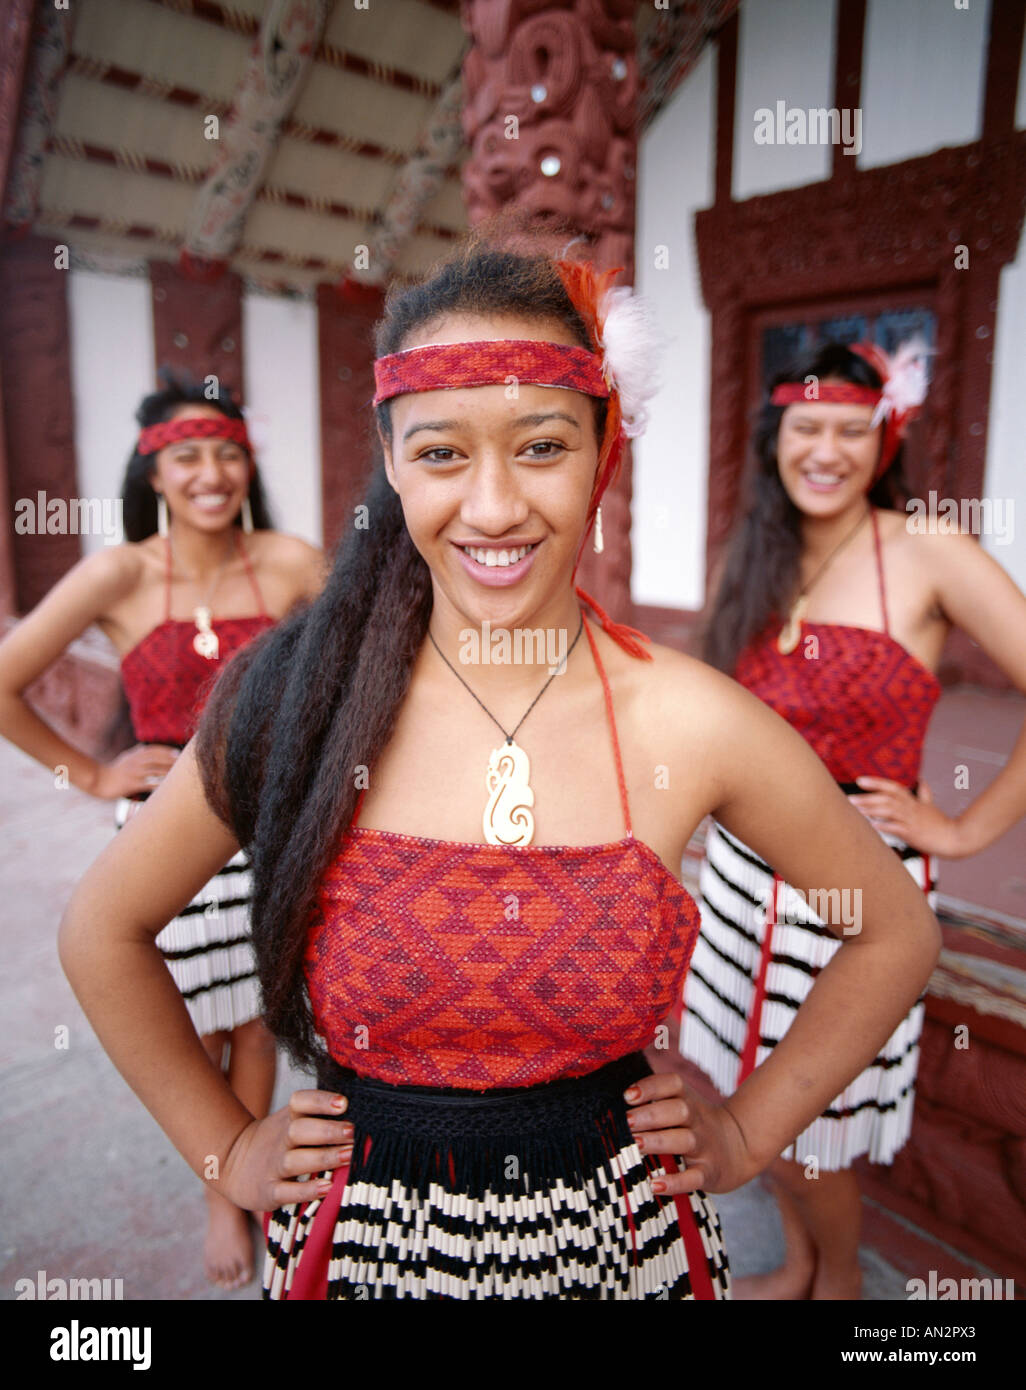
(598, 541)
(247, 515)
(163, 526)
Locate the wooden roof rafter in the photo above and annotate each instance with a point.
(369, 125)
(122, 158)
(345, 60)
(143, 85)
(275, 72)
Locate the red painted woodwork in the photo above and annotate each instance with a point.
(38, 417)
(198, 326)
(346, 315)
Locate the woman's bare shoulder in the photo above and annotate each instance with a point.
(114, 572)
(282, 546)
(302, 566)
(677, 692)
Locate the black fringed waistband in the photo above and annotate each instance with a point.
(380, 1108)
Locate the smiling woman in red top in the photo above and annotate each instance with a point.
(466, 903)
(833, 610)
(199, 541)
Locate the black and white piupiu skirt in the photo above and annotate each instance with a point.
(535, 1192)
(757, 957)
(207, 947)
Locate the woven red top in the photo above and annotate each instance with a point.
(167, 682)
(856, 695)
(440, 963)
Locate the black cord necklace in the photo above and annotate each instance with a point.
(791, 632)
(507, 817)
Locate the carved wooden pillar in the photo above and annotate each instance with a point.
(197, 327)
(38, 417)
(16, 31)
(346, 314)
(549, 113)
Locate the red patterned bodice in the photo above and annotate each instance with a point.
(166, 681)
(440, 963)
(856, 695)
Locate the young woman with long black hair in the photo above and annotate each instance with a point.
(833, 608)
(198, 541)
(466, 905)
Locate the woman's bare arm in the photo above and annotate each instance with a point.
(975, 594)
(148, 873)
(777, 797)
(151, 869)
(86, 593)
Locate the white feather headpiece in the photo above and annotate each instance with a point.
(632, 345)
(907, 381)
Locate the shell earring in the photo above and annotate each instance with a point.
(598, 541)
(247, 515)
(163, 528)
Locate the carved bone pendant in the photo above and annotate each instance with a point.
(507, 818)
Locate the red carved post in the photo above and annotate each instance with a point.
(198, 328)
(550, 117)
(346, 314)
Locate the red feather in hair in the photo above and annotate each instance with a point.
(585, 289)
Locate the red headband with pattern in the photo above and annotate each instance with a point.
(448, 366)
(155, 437)
(830, 392)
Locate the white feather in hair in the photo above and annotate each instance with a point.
(632, 345)
(907, 381)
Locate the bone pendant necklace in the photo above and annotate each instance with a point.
(205, 643)
(508, 819)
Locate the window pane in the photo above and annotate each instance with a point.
(851, 329)
(896, 326)
(781, 345)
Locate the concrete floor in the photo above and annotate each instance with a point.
(97, 1190)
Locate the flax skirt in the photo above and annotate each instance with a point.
(873, 1115)
(207, 946)
(534, 1193)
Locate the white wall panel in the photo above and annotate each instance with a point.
(283, 406)
(785, 55)
(112, 368)
(923, 72)
(676, 177)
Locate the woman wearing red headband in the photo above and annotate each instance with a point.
(190, 482)
(466, 908)
(834, 613)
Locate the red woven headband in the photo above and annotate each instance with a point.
(448, 366)
(829, 392)
(155, 437)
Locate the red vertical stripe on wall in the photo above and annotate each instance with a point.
(848, 45)
(346, 315)
(726, 96)
(15, 34)
(1004, 55)
(198, 326)
(38, 417)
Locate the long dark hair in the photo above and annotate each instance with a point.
(301, 709)
(139, 498)
(763, 552)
